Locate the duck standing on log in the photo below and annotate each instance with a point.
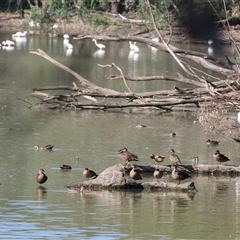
(220, 157)
(127, 156)
(178, 174)
(135, 174)
(89, 173)
(174, 157)
(157, 174)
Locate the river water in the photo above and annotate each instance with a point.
(91, 139)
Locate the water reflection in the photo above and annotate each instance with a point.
(99, 53)
(69, 52)
(41, 192)
(133, 56)
(8, 48)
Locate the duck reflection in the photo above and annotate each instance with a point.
(220, 188)
(41, 192)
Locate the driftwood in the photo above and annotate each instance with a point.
(87, 95)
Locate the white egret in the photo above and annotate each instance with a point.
(65, 41)
(210, 49)
(133, 46)
(20, 34)
(156, 39)
(8, 43)
(65, 36)
(69, 46)
(238, 117)
(99, 45)
(55, 26)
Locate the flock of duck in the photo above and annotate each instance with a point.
(179, 173)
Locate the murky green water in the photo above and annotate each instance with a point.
(28, 211)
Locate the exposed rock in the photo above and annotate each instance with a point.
(117, 177)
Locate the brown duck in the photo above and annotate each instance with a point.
(41, 177)
(157, 174)
(141, 126)
(135, 174)
(220, 157)
(47, 147)
(157, 158)
(212, 142)
(174, 157)
(179, 175)
(65, 167)
(127, 156)
(89, 173)
(172, 134)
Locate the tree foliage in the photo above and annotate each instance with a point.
(197, 16)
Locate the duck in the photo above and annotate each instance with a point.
(220, 157)
(212, 142)
(172, 134)
(135, 174)
(179, 175)
(174, 157)
(89, 173)
(140, 126)
(157, 174)
(41, 176)
(127, 156)
(157, 158)
(47, 147)
(65, 167)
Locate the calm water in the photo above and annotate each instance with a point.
(49, 212)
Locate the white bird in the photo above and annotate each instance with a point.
(65, 41)
(210, 49)
(20, 34)
(99, 45)
(55, 26)
(156, 39)
(133, 46)
(69, 46)
(238, 117)
(8, 43)
(65, 36)
(32, 24)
